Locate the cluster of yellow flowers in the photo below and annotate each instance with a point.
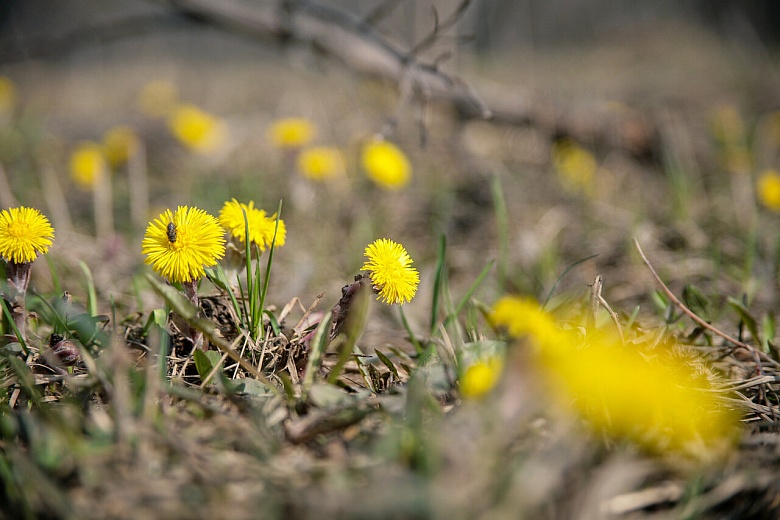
(180, 244)
(382, 161)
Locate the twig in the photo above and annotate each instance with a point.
(757, 354)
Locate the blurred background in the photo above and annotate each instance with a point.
(630, 93)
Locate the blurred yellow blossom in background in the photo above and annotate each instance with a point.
(119, 143)
(657, 404)
(7, 95)
(321, 163)
(768, 188)
(576, 166)
(196, 129)
(386, 164)
(481, 377)
(87, 164)
(158, 99)
(291, 132)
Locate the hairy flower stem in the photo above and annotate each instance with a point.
(191, 292)
(18, 275)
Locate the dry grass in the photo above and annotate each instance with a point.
(113, 440)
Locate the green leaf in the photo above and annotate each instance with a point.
(328, 396)
(251, 387)
(386, 361)
(317, 346)
(747, 319)
(205, 362)
(697, 301)
(157, 317)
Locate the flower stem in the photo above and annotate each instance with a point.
(191, 292)
(18, 275)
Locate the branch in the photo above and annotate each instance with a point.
(757, 354)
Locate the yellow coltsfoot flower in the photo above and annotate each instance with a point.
(261, 225)
(386, 164)
(25, 233)
(87, 164)
(321, 163)
(291, 133)
(197, 129)
(179, 245)
(391, 271)
(768, 189)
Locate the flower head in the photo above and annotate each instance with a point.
(291, 132)
(87, 164)
(768, 187)
(391, 271)
(261, 226)
(575, 165)
(157, 98)
(386, 164)
(119, 144)
(24, 234)
(196, 129)
(321, 163)
(658, 403)
(481, 377)
(179, 244)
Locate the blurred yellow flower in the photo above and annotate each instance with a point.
(391, 271)
(768, 187)
(7, 95)
(87, 164)
(576, 166)
(158, 99)
(321, 163)
(658, 405)
(196, 129)
(481, 377)
(291, 132)
(261, 226)
(119, 144)
(25, 233)
(386, 164)
(178, 245)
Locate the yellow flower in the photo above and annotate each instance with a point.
(157, 99)
(196, 129)
(7, 95)
(87, 165)
(291, 132)
(261, 226)
(769, 189)
(119, 144)
(24, 234)
(481, 377)
(178, 245)
(391, 271)
(656, 404)
(386, 164)
(576, 166)
(321, 163)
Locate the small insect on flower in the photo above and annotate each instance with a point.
(391, 271)
(171, 231)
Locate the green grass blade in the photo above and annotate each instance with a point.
(317, 347)
(17, 333)
(271, 250)
(563, 275)
(502, 226)
(469, 293)
(440, 272)
(91, 294)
